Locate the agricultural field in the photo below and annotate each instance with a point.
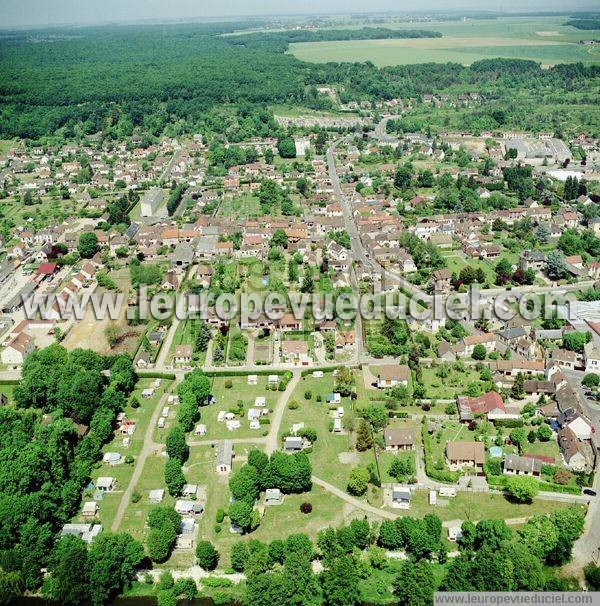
(542, 39)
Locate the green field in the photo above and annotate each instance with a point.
(542, 39)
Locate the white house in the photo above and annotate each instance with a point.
(18, 349)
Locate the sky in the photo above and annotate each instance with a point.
(56, 12)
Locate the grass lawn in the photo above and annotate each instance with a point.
(123, 472)
(451, 431)
(7, 390)
(240, 207)
(479, 506)
(278, 521)
(184, 335)
(227, 399)
(454, 384)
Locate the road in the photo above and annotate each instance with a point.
(271, 442)
(357, 249)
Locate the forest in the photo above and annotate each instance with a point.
(171, 79)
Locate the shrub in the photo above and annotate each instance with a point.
(293, 405)
(228, 383)
(218, 528)
(319, 398)
(306, 507)
(129, 459)
(136, 496)
(426, 406)
(207, 555)
(220, 515)
(562, 476)
(308, 394)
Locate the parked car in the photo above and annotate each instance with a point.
(589, 492)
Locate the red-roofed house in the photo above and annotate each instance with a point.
(488, 404)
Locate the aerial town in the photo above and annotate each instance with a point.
(209, 441)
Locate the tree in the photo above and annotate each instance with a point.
(112, 563)
(160, 542)
(592, 576)
(207, 555)
(479, 352)
(245, 484)
(358, 481)
(414, 584)
(339, 582)
(364, 438)
(491, 533)
(556, 265)
(539, 535)
(402, 467)
(544, 432)
(308, 285)
(240, 514)
(174, 478)
(290, 473)
(286, 147)
(279, 238)
(258, 459)
(269, 155)
(591, 380)
(176, 445)
(68, 579)
(575, 340)
(344, 381)
(403, 177)
(521, 488)
(88, 245)
(518, 389)
(203, 336)
(376, 415)
(239, 556)
(569, 524)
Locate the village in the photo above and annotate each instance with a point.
(388, 416)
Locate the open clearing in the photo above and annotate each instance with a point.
(542, 39)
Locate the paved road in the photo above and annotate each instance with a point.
(147, 447)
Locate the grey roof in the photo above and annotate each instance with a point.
(224, 452)
(514, 462)
(183, 253)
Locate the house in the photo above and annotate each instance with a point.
(572, 450)
(580, 427)
(516, 465)
(440, 280)
(465, 454)
(273, 496)
(468, 344)
(187, 507)
(564, 358)
(86, 532)
(391, 375)
(400, 497)
(90, 509)
(295, 351)
(156, 495)
(224, 456)
(487, 404)
(18, 349)
(293, 444)
(398, 439)
(183, 354)
(591, 358)
(106, 484)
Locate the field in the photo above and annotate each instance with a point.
(541, 39)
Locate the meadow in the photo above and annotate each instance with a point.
(542, 39)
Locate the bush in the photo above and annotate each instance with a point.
(308, 394)
(136, 496)
(426, 406)
(319, 398)
(293, 405)
(228, 383)
(218, 528)
(129, 459)
(306, 507)
(220, 515)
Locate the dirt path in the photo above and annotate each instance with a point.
(147, 448)
(271, 441)
(353, 501)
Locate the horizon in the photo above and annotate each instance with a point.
(16, 14)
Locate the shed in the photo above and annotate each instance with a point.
(224, 456)
(273, 496)
(105, 484)
(156, 495)
(293, 444)
(90, 509)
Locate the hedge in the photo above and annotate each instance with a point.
(309, 371)
(156, 375)
(240, 373)
(500, 482)
(511, 423)
(9, 381)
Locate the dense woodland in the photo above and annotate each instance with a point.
(171, 79)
